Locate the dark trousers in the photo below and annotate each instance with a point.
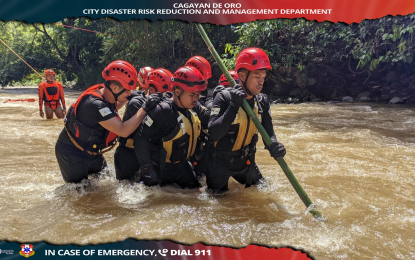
(180, 173)
(76, 165)
(223, 166)
(126, 164)
(200, 157)
(127, 168)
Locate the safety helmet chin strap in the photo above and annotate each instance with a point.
(107, 85)
(244, 84)
(178, 97)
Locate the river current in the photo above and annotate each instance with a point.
(354, 160)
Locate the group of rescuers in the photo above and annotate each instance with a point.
(169, 134)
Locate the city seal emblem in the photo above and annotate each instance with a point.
(27, 250)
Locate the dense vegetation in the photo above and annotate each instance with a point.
(309, 59)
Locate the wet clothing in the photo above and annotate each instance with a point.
(75, 165)
(167, 138)
(51, 94)
(199, 158)
(136, 93)
(82, 124)
(234, 136)
(125, 160)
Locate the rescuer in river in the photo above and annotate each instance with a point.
(92, 123)
(167, 137)
(51, 94)
(233, 131)
(125, 159)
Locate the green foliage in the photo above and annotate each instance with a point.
(23, 40)
(304, 44)
(73, 54)
(385, 41)
(167, 44)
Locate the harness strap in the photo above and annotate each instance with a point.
(251, 169)
(83, 150)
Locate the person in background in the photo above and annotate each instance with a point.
(51, 94)
(223, 83)
(198, 159)
(143, 74)
(205, 69)
(142, 89)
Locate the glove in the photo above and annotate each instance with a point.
(276, 150)
(217, 90)
(237, 95)
(168, 94)
(148, 175)
(152, 101)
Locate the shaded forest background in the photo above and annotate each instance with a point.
(372, 60)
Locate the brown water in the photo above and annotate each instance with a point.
(355, 161)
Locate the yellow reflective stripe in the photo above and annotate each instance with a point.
(186, 127)
(196, 132)
(168, 146)
(242, 120)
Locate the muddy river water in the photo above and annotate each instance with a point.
(356, 161)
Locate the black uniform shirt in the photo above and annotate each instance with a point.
(90, 112)
(223, 113)
(160, 122)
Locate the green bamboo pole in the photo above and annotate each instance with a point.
(294, 182)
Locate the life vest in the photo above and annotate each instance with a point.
(51, 92)
(181, 143)
(241, 131)
(91, 139)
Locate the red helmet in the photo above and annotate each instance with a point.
(189, 79)
(122, 72)
(161, 79)
(143, 74)
(252, 59)
(202, 65)
(49, 72)
(224, 81)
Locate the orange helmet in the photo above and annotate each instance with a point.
(49, 72)
(161, 79)
(202, 65)
(122, 72)
(143, 74)
(189, 79)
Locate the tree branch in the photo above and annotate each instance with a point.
(53, 42)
